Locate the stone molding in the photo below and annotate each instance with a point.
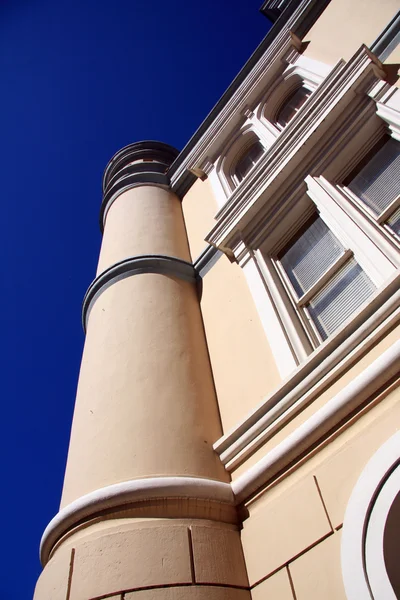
(136, 265)
(128, 492)
(325, 364)
(324, 420)
(334, 94)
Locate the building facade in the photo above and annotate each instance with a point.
(235, 433)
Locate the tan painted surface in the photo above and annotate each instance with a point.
(335, 36)
(276, 587)
(145, 402)
(281, 526)
(131, 559)
(322, 399)
(143, 220)
(193, 593)
(243, 366)
(218, 556)
(53, 581)
(199, 209)
(317, 574)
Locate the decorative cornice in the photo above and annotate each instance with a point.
(339, 88)
(128, 492)
(228, 118)
(163, 265)
(324, 420)
(298, 17)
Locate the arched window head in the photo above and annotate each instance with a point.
(247, 160)
(291, 106)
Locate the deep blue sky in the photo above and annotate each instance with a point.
(79, 80)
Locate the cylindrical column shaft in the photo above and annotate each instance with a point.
(146, 501)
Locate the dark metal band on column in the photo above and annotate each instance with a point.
(163, 265)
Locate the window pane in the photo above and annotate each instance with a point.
(292, 105)
(378, 183)
(394, 221)
(250, 158)
(344, 293)
(314, 251)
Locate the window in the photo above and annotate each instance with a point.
(291, 106)
(248, 160)
(377, 183)
(324, 281)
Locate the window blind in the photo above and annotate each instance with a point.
(250, 158)
(292, 105)
(344, 293)
(310, 256)
(378, 182)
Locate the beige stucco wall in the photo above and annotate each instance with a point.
(243, 365)
(334, 35)
(199, 208)
(294, 526)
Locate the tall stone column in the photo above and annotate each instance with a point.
(147, 510)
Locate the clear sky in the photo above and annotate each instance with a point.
(80, 79)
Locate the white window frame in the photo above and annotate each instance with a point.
(377, 259)
(382, 218)
(244, 154)
(225, 165)
(300, 72)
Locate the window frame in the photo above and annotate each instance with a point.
(246, 153)
(376, 261)
(299, 303)
(381, 218)
(280, 126)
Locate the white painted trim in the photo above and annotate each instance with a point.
(369, 256)
(374, 540)
(274, 332)
(235, 148)
(328, 361)
(293, 329)
(319, 424)
(316, 70)
(246, 95)
(351, 206)
(297, 73)
(217, 187)
(333, 97)
(391, 116)
(127, 492)
(356, 517)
